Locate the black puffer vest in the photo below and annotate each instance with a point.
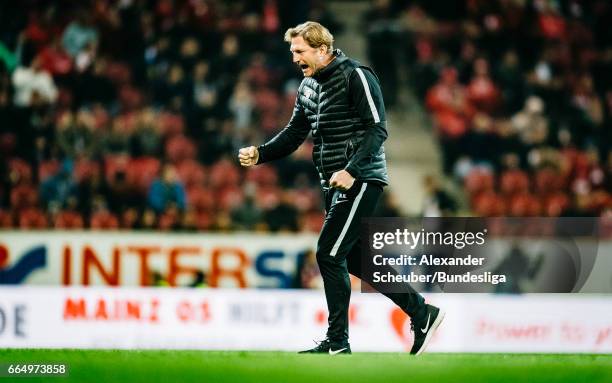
(337, 129)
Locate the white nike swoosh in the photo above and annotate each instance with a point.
(331, 352)
(339, 202)
(424, 330)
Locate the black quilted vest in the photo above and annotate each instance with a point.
(336, 126)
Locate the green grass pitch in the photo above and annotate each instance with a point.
(215, 366)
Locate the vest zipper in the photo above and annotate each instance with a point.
(321, 134)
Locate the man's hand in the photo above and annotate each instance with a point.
(248, 156)
(341, 180)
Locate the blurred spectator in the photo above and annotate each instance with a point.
(173, 92)
(531, 123)
(382, 32)
(282, 217)
(518, 269)
(117, 140)
(481, 90)
(117, 81)
(121, 193)
(242, 104)
(189, 222)
(511, 82)
(450, 105)
(129, 218)
(438, 202)
(60, 188)
(204, 92)
(92, 189)
(146, 139)
(167, 191)
(79, 35)
(481, 141)
(75, 136)
(509, 54)
(388, 206)
(54, 60)
(118, 87)
(247, 216)
(223, 222)
(33, 85)
(148, 220)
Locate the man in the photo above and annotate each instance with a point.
(340, 102)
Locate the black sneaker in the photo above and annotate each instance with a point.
(326, 347)
(424, 329)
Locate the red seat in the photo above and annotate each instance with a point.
(171, 124)
(129, 218)
(267, 101)
(142, 171)
(312, 221)
(32, 219)
(513, 182)
(305, 199)
(191, 173)
(223, 174)
(23, 196)
(168, 220)
(21, 168)
(263, 175)
(8, 141)
(103, 220)
(525, 205)
(229, 197)
(203, 220)
(130, 98)
(555, 204)
(478, 181)
(114, 165)
(85, 169)
(68, 220)
(548, 181)
(180, 148)
(127, 121)
(118, 72)
(201, 198)
(6, 219)
(489, 204)
(268, 197)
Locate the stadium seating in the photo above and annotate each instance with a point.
(103, 220)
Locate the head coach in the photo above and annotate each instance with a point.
(340, 102)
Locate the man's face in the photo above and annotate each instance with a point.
(309, 59)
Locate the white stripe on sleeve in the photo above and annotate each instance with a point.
(334, 250)
(366, 87)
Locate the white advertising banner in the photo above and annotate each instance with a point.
(243, 260)
(129, 259)
(247, 319)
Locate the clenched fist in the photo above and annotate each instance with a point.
(341, 180)
(248, 156)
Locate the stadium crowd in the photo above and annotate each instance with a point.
(519, 92)
(128, 114)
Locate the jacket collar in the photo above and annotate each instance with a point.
(324, 73)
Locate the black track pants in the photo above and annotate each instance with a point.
(339, 252)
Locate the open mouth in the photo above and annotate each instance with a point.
(304, 66)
